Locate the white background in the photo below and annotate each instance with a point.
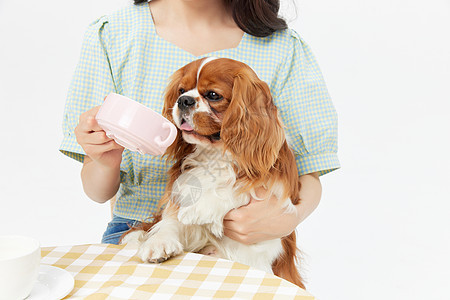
(382, 230)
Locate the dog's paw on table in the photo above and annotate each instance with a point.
(157, 249)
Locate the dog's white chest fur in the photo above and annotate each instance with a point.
(207, 177)
(205, 193)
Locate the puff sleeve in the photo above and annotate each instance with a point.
(306, 109)
(91, 82)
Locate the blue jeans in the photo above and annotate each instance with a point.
(116, 228)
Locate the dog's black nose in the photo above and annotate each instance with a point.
(185, 102)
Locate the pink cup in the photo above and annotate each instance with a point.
(135, 126)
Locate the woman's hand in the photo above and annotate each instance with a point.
(98, 147)
(266, 219)
(260, 220)
(101, 167)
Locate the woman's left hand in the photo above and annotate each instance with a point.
(260, 220)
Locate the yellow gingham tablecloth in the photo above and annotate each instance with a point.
(114, 272)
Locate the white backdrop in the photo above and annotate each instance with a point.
(382, 228)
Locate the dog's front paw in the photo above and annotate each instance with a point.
(190, 215)
(135, 237)
(158, 249)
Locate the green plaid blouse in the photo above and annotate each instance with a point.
(122, 53)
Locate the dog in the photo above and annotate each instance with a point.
(230, 141)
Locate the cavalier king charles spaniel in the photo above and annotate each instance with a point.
(230, 142)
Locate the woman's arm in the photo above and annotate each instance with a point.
(310, 194)
(100, 183)
(264, 220)
(101, 167)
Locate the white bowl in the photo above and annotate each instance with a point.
(19, 264)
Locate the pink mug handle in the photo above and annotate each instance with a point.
(169, 140)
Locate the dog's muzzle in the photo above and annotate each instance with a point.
(185, 102)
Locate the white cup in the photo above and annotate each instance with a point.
(19, 264)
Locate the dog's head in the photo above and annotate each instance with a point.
(222, 103)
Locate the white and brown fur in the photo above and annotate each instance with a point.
(237, 145)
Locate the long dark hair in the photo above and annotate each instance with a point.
(255, 17)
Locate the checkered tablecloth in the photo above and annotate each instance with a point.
(114, 272)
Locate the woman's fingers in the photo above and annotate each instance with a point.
(97, 138)
(241, 237)
(240, 213)
(230, 224)
(87, 121)
(93, 124)
(88, 124)
(231, 215)
(95, 150)
(236, 227)
(92, 138)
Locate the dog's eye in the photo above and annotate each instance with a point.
(181, 91)
(213, 96)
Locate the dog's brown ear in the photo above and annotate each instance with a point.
(171, 94)
(251, 129)
(179, 147)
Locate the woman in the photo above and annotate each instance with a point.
(134, 51)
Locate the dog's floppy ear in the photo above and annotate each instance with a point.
(251, 129)
(179, 147)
